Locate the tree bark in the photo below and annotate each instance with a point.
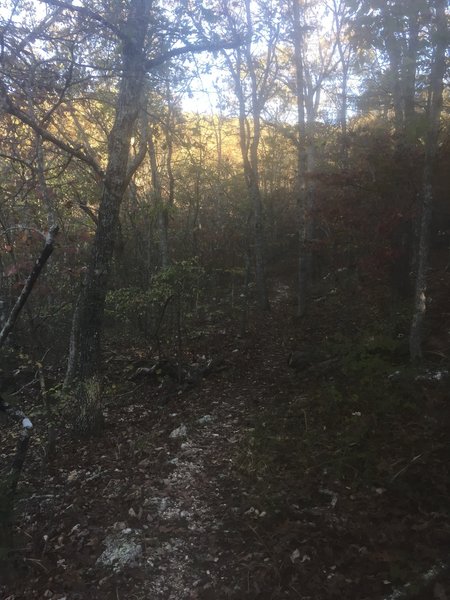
(253, 178)
(249, 141)
(409, 75)
(249, 149)
(344, 58)
(303, 197)
(431, 147)
(84, 356)
(394, 54)
(163, 215)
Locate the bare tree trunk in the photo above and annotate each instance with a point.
(302, 161)
(163, 217)
(393, 50)
(169, 133)
(84, 357)
(420, 295)
(253, 179)
(249, 140)
(249, 157)
(409, 76)
(168, 204)
(344, 51)
(163, 228)
(431, 147)
(343, 115)
(259, 250)
(163, 203)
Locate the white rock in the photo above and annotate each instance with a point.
(206, 419)
(27, 424)
(72, 476)
(432, 375)
(180, 431)
(121, 551)
(305, 558)
(295, 555)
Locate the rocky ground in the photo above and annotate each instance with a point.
(247, 484)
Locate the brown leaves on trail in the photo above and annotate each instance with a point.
(266, 495)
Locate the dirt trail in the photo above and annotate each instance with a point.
(202, 499)
(149, 509)
(185, 560)
(171, 504)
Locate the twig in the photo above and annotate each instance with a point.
(296, 591)
(306, 419)
(26, 385)
(416, 458)
(38, 562)
(24, 228)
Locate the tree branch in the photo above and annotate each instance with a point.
(86, 209)
(67, 84)
(193, 48)
(8, 106)
(31, 280)
(90, 14)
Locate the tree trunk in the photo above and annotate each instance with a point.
(253, 179)
(303, 197)
(88, 318)
(340, 18)
(249, 151)
(163, 227)
(409, 75)
(431, 147)
(250, 106)
(163, 216)
(259, 247)
(343, 115)
(393, 50)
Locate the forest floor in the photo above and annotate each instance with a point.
(259, 482)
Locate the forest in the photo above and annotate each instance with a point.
(224, 299)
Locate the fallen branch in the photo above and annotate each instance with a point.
(29, 284)
(416, 458)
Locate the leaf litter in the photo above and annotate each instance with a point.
(180, 499)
